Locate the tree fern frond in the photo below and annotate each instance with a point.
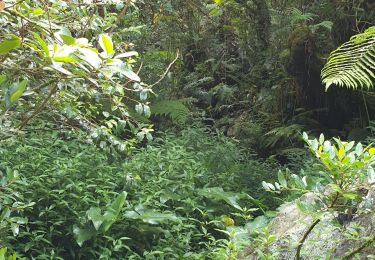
(174, 109)
(297, 16)
(352, 64)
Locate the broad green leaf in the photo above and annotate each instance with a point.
(15, 228)
(371, 175)
(128, 72)
(146, 110)
(3, 251)
(350, 195)
(95, 215)
(58, 66)
(42, 43)
(91, 57)
(9, 44)
(112, 212)
(341, 152)
(117, 204)
(140, 136)
(63, 54)
(12, 257)
(139, 108)
(358, 149)
(258, 223)
(66, 59)
(149, 137)
(18, 91)
(218, 194)
(335, 187)
(81, 235)
(143, 95)
(349, 146)
(106, 44)
(67, 39)
(327, 146)
(282, 180)
(150, 216)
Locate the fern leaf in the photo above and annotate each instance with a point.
(174, 109)
(353, 64)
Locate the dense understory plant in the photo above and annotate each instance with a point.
(179, 201)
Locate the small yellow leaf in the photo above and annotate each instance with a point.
(341, 152)
(371, 151)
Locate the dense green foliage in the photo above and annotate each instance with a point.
(177, 204)
(156, 129)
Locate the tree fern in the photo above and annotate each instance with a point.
(353, 64)
(174, 109)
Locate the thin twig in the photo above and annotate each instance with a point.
(359, 249)
(39, 109)
(167, 70)
(300, 244)
(13, 5)
(120, 15)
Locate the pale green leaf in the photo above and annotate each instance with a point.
(106, 44)
(9, 44)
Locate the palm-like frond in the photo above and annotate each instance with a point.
(353, 64)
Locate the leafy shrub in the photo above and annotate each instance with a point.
(184, 193)
(346, 177)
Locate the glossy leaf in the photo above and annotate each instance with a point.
(106, 44)
(17, 91)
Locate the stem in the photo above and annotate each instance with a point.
(363, 246)
(365, 103)
(167, 70)
(300, 244)
(39, 109)
(120, 15)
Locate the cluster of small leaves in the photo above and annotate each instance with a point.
(172, 200)
(346, 164)
(43, 52)
(11, 203)
(347, 170)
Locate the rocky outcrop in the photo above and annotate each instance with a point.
(329, 239)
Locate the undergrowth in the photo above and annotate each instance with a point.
(185, 195)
